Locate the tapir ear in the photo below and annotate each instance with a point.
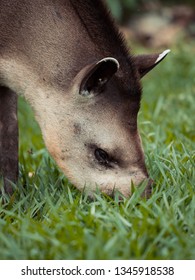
(97, 76)
(145, 63)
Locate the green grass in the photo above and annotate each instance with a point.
(47, 218)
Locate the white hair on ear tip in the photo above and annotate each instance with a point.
(110, 59)
(162, 55)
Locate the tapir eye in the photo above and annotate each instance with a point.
(102, 156)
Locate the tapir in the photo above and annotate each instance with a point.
(71, 63)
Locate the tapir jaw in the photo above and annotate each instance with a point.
(111, 184)
(124, 190)
(89, 178)
(127, 189)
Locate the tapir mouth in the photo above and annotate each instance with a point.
(126, 190)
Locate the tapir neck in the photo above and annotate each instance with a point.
(52, 40)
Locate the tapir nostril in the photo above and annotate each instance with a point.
(148, 190)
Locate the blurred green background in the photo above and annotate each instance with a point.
(155, 24)
(122, 9)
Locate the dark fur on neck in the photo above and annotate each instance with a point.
(103, 31)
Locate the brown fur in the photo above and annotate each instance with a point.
(48, 49)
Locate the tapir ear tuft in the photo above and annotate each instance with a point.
(97, 76)
(145, 63)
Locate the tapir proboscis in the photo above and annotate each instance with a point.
(70, 62)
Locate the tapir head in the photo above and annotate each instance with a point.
(99, 144)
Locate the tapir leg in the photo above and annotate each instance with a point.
(8, 138)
